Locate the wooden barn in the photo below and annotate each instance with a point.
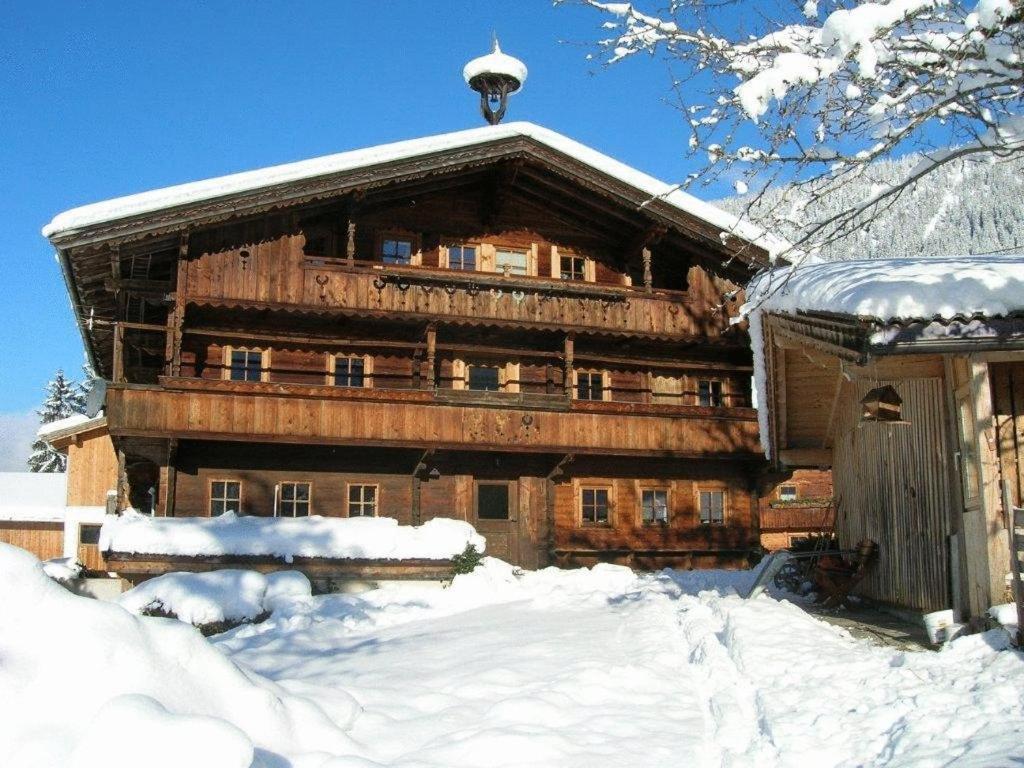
(499, 325)
(906, 378)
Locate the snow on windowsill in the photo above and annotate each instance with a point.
(339, 538)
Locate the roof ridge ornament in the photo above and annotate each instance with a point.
(495, 76)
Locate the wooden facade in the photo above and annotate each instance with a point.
(796, 506)
(929, 486)
(481, 334)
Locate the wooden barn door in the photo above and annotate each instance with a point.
(496, 517)
(1007, 381)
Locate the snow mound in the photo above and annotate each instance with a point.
(216, 597)
(63, 569)
(75, 671)
(227, 595)
(343, 538)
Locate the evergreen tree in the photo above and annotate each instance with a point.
(63, 398)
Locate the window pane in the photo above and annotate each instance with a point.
(287, 491)
(483, 378)
(515, 260)
(396, 251)
(233, 491)
(302, 491)
(217, 490)
(354, 493)
(89, 534)
(370, 493)
(462, 257)
(492, 502)
(572, 267)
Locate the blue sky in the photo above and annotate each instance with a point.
(104, 99)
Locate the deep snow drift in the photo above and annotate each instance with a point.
(84, 683)
(599, 667)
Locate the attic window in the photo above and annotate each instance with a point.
(882, 404)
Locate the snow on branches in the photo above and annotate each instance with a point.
(814, 92)
(64, 398)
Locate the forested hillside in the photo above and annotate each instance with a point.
(961, 208)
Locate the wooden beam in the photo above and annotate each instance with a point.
(833, 410)
(806, 457)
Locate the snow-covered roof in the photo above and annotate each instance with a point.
(946, 288)
(225, 186)
(37, 497)
(496, 63)
(76, 422)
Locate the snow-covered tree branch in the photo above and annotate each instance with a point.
(818, 91)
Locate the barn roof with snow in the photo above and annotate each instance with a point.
(888, 306)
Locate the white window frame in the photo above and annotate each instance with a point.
(699, 491)
(279, 501)
(362, 503)
(332, 364)
(210, 498)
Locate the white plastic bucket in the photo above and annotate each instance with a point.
(938, 625)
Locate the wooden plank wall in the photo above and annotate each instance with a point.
(1007, 380)
(892, 486)
(44, 540)
(685, 542)
(92, 470)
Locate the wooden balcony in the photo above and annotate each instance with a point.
(372, 289)
(798, 517)
(266, 412)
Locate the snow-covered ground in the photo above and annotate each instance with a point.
(594, 667)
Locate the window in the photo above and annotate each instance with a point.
(362, 501)
(484, 378)
(594, 505)
(589, 385)
(712, 507)
(396, 251)
(246, 365)
(89, 534)
(709, 393)
(492, 501)
(293, 499)
(573, 267)
(462, 257)
(225, 496)
(513, 262)
(348, 371)
(787, 493)
(654, 506)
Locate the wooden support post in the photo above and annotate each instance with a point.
(122, 482)
(350, 243)
(648, 276)
(417, 515)
(567, 384)
(117, 374)
(549, 379)
(170, 479)
(431, 355)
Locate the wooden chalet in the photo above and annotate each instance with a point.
(920, 421)
(498, 325)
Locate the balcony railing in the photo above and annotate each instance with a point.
(263, 411)
(372, 288)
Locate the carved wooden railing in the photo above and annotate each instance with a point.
(372, 288)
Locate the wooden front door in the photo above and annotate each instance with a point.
(496, 517)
